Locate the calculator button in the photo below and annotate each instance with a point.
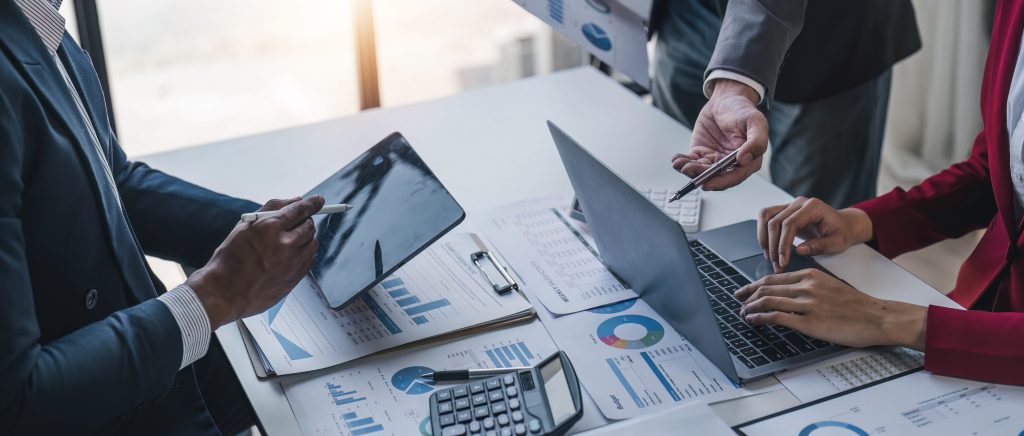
(510, 380)
(476, 388)
(481, 412)
(444, 406)
(455, 430)
(462, 403)
(503, 419)
(463, 416)
(511, 391)
(497, 408)
(506, 431)
(474, 427)
(460, 391)
(517, 416)
(488, 423)
(444, 395)
(496, 396)
(447, 419)
(513, 403)
(479, 400)
(520, 429)
(494, 383)
(534, 425)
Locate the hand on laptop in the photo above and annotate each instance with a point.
(819, 305)
(728, 121)
(824, 229)
(259, 262)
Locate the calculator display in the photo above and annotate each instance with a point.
(556, 388)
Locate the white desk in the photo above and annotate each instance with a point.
(492, 147)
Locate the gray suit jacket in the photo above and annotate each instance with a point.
(804, 50)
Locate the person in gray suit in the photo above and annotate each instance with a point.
(817, 72)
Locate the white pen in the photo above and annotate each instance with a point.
(327, 209)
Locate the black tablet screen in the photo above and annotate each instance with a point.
(400, 209)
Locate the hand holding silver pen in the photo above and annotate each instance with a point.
(721, 166)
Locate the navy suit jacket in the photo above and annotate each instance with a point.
(67, 365)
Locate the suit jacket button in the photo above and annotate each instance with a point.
(90, 299)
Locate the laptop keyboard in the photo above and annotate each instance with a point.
(753, 345)
(685, 211)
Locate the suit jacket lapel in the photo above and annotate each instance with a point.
(18, 37)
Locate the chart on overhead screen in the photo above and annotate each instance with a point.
(849, 370)
(554, 255)
(436, 292)
(385, 395)
(606, 29)
(917, 404)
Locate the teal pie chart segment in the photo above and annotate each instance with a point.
(654, 332)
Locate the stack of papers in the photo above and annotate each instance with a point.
(384, 394)
(438, 292)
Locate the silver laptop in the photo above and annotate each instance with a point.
(688, 281)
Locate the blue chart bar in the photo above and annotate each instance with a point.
(408, 300)
(556, 9)
(498, 358)
(426, 307)
(380, 314)
(661, 376)
(341, 397)
(624, 382)
(522, 346)
(391, 283)
(510, 355)
(400, 292)
(420, 320)
(360, 426)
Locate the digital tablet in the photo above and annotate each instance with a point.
(400, 209)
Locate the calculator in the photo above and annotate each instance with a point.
(542, 400)
(685, 211)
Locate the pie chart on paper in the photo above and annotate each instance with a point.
(408, 380)
(653, 331)
(597, 36)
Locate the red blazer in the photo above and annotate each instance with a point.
(986, 343)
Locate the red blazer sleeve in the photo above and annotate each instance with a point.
(947, 205)
(975, 345)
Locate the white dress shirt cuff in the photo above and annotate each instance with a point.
(709, 83)
(192, 320)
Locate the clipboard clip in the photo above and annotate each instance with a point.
(510, 284)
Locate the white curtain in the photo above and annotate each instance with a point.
(934, 116)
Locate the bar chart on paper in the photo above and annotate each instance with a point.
(555, 256)
(437, 292)
(386, 394)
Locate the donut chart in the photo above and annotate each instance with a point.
(614, 307)
(606, 331)
(839, 424)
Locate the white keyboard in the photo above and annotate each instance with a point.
(686, 210)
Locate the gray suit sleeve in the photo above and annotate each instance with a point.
(754, 39)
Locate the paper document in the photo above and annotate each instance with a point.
(383, 395)
(554, 255)
(917, 404)
(849, 370)
(633, 363)
(614, 33)
(695, 417)
(438, 292)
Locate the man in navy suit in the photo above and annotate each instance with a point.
(91, 342)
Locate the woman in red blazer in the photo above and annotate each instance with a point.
(984, 343)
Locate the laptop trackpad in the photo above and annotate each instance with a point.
(755, 267)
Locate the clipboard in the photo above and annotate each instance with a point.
(491, 268)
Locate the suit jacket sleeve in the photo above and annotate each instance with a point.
(84, 379)
(947, 205)
(172, 218)
(975, 344)
(755, 36)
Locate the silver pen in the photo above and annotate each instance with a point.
(727, 163)
(466, 374)
(328, 209)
